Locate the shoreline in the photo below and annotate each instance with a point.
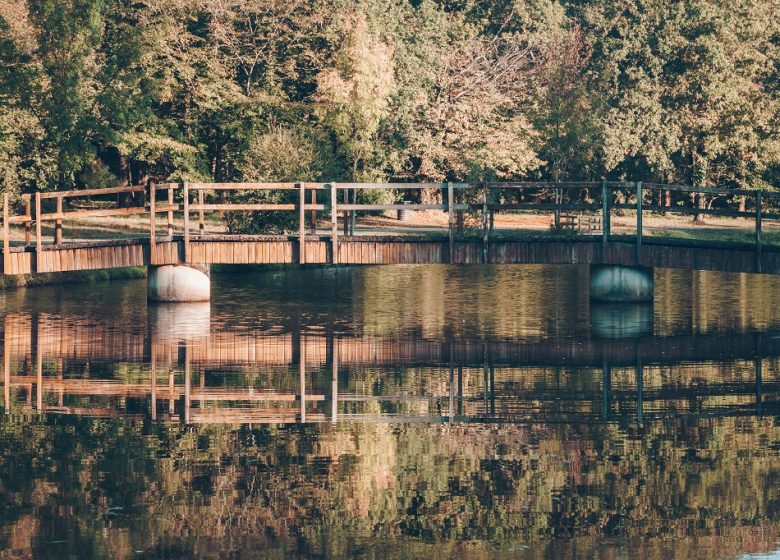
(9, 283)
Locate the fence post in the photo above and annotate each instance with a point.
(484, 223)
(201, 215)
(6, 240)
(302, 223)
(152, 222)
(639, 223)
(170, 211)
(346, 213)
(28, 220)
(758, 231)
(334, 218)
(38, 241)
(186, 202)
(451, 220)
(58, 223)
(313, 214)
(604, 212)
(353, 217)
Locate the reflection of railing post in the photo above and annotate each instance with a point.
(6, 368)
(604, 212)
(485, 374)
(334, 218)
(639, 223)
(187, 383)
(460, 390)
(640, 385)
(492, 389)
(759, 398)
(302, 375)
(452, 384)
(606, 389)
(334, 388)
(38, 369)
(171, 389)
(154, 380)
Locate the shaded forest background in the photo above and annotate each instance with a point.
(98, 93)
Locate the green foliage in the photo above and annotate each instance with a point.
(388, 90)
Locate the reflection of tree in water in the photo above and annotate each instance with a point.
(116, 487)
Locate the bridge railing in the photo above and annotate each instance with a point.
(60, 206)
(613, 209)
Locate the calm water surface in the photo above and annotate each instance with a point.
(393, 412)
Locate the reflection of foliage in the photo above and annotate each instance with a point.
(207, 489)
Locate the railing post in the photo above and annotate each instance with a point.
(353, 215)
(152, 222)
(604, 212)
(758, 231)
(201, 215)
(346, 213)
(334, 218)
(302, 223)
(313, 214)
(186, 203)
(484, 223)
(28, 220)
(6, 240)
(170, 211)
(58, 223)
(38, 241)
(639, 223)
(451, 220)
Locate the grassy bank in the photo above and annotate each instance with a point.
(46, 279)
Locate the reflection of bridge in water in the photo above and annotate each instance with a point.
(67, 366)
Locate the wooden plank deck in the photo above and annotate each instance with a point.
(376, 250)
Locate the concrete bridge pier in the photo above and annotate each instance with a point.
(178, 283)
(615, 283)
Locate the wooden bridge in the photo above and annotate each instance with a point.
(470, 223)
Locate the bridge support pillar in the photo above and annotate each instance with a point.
(172, 283)
(621, 283)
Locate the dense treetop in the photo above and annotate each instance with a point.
(108, 92)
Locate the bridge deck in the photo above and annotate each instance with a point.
(364, 250)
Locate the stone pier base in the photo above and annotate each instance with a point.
(621, 283)
(171, 283)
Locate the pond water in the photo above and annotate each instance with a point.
(393, 412)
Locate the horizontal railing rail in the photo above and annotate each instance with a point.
(598, 201)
